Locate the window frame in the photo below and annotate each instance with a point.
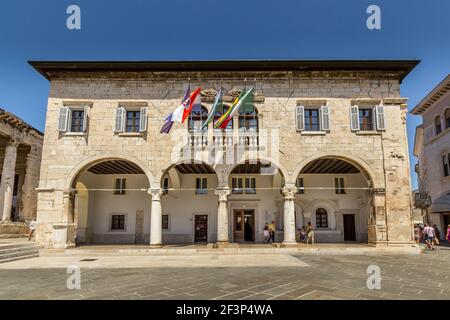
(121, 191)
(203, 184)
(136, 126)
(321, 218)
(447, 118)
(70, 123)
(339, 188)
(195, 117)
(168, 222)
(446, 165)
(245, 121)
(242, 180)
(111, 221)
(371, 115)
(300, 185)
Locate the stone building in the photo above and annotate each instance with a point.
(324, 143)
(432, 148)
(20, 159)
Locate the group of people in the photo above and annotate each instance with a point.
(430, 235)
(306, 233)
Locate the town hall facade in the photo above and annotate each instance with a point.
(325, 142)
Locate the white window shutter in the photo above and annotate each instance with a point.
(85, 118)
(324, 118)
(120, 120)
(143, 120)
(379, 116)
(300, 118)
(63, 119)
(354, 118)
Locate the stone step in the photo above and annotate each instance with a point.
(12, 245)
(13, 236)
(18, 249)
(5, 256)
(28, 256)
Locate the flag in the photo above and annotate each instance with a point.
(178, 113)
(168, 123)
(245, 100)
(194, 100)
(217, 107)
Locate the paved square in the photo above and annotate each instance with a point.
(237, 276)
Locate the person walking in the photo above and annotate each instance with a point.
(437, 234)
(447, 236)
(309, 233)
(303, 234)
(272, 229)
(32, 227)
(417, 233)
(266, 233)
(429, 236)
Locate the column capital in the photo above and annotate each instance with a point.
(289, 192)
(156, 193)
(13, 143)
(223, 193)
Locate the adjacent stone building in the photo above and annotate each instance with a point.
(324, 143)
(20, 159)
(432, 148)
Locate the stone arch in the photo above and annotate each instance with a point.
(84, 165)
(281, 168)
(373, 180)
(164, 171)
(331, 208)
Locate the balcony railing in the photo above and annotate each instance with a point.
(421, 200)
(247, 139)
(250, 139)
(198, 140)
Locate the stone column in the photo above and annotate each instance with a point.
(7, 184)
(377, 231)
(289, 215)
(156, 218)
(29, 194)
(222, 215)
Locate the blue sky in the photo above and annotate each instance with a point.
(212, 29)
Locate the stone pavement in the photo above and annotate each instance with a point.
(242, 276)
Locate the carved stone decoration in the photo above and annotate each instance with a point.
(209, 93)
(404, 115)
(396, 155)
(235, 92)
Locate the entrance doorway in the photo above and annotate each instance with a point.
(244, 225)
(201, 228)
(349, 227)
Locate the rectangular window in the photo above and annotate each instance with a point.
(77, 120)
(165, 222)
(243, 185)
(133, 121)
(312, 122)
(250, 186)
(165, 185)
(446, 165)
(300, 186)
(366, 120)
(118, 222)
(237, 186)
(339, 185)
(201, 186)
(120, 186)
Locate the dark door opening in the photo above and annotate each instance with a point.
(349, 227)
(201, 228)
(244, 225)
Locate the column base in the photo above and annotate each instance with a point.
(155, 246)
(289, 243)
